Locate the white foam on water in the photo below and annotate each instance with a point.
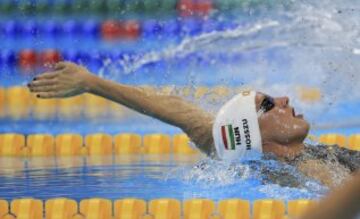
(253, 180)
(213, 173)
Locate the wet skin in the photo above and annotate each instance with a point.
(282, 131)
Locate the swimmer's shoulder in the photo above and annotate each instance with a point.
(329, 153)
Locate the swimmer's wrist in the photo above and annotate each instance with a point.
(89, 83)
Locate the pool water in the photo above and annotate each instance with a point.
(146, 177)
(276, 50)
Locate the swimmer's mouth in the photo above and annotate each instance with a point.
(300, 116)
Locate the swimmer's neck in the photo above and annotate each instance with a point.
(284, 152)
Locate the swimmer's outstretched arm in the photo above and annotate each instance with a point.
(343, 203)
(68, 79)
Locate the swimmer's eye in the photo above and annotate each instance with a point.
(267, 104)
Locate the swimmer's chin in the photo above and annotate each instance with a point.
(282, 151)
(303, 131)
(307, 130)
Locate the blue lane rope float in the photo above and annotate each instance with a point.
(91, 28)
(7, 57)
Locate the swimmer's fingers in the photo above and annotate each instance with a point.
(61, 65)
(47, 75)
(38, 83)
(66, 80)
(45, 88)
(52, 94)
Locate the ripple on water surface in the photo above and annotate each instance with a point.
(146, 178)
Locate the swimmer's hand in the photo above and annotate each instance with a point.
(65, 80)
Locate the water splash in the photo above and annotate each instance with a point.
(190, 45)
(213, 173)
(260, 179)
(309, 39)
(306, 26)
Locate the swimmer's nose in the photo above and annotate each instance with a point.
(283, 101)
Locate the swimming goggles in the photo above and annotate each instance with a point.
(266, 105)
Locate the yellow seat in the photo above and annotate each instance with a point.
(269, 209)
(354, 142)
(181, 145)
(44, 108)
(129, 208)
(71, 108)
(200, 92)
(198, 208)
(96, 208)
(11, 144)
(99, 144)
(332, 139)
(165, 209)
(234, 209)
(27, 208)
(297, 207)
(60, 208)
(4, 207)
(95, 106)
(18, 102)
(127, 144)
(2, 102)
(68, 144)
(157, 144)
(309, 94)
(40, 145)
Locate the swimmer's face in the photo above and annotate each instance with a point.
(279, 123)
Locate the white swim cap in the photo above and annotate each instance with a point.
(236, 130)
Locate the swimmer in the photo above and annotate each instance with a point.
(250, 123)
